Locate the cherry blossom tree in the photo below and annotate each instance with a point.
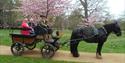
(94, 10)
(44, 7)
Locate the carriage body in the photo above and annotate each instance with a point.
(19, 41)
(26, 39)
(29, 41)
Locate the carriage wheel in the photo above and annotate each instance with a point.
(47, 51)
(17, 49)
(31, 47)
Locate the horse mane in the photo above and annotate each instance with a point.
(109, 27)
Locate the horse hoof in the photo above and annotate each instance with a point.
(75, 55)
(98, 56)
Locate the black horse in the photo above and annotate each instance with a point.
(77, 36)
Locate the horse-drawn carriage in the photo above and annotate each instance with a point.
(51, 45)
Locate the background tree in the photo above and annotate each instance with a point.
(94, 8)
(61, 22)
(122, 21)
(74, 18)
(7, 15)
(44, 7)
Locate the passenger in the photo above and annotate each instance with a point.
(32, 22)
(26, 28)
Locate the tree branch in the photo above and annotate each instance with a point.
(83, 3)
(93, 3)
(94, 9)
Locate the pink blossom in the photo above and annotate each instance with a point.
(44, 7)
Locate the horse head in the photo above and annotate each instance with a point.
(117, 29)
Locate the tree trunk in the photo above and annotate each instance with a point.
(85, 5)
(47, 12)
(86, 9)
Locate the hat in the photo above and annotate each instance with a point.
(26, 19)
(42, 16)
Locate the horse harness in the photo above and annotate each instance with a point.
(104, 30)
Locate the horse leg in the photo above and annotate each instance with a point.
(99, 48)
(73, 48)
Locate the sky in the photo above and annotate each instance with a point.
(116, 7)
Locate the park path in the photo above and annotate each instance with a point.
(66, 56)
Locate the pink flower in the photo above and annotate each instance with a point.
(43, 7)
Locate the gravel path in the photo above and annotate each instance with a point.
(66, 56)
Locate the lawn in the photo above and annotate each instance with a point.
(114, 44)
(13, 59)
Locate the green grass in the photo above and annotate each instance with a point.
(13, 59)
(114, 44)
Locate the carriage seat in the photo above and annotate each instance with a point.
(24, 36)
